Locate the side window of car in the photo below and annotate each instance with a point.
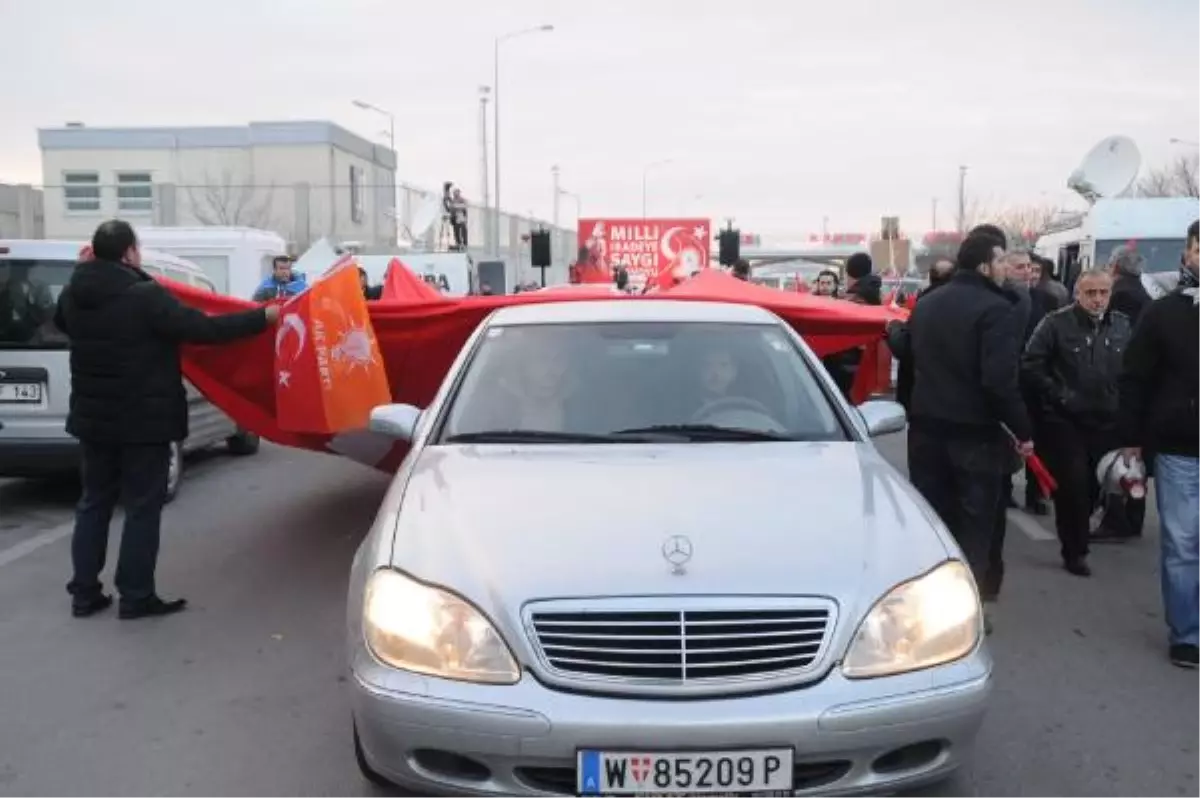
(204, 284)
(151, 269)
(178, 276)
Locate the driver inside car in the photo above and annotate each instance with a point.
(728, 395)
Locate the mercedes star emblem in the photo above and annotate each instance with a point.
(677, 550)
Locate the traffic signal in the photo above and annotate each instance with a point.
(729, 242)
(539, 248)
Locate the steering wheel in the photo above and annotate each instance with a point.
(731, 403)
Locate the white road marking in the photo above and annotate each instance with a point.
(25, 547)
(1030, 526)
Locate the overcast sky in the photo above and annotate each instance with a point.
(775, 112)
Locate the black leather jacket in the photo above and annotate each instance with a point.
(1072, 363)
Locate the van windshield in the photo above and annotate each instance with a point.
(29, 292)
(1162, 254)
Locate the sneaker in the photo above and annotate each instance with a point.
(1183, 655)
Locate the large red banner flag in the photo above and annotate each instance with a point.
(650, 250)
(329, 372)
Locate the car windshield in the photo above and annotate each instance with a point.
(29, 291)
(640, 382)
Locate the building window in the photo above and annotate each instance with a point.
(356, 194)
(81, 190)
(135, 192)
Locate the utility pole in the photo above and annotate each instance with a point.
(824, 229)
(488, 231)
(933, 227)
(557, 192)
(962, 199)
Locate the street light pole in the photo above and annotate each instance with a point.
(496, 113)
(557, 192)
(484, 91)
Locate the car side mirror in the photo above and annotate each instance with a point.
(395, 421)
(883, 417)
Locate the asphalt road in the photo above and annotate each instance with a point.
(244, 693)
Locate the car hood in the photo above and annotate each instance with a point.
(504, 525)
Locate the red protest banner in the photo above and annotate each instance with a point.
(645, 248)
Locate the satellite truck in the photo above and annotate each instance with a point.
(1157, 226)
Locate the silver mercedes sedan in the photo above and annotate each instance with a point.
(644, 547)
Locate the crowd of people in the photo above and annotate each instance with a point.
(998, 363)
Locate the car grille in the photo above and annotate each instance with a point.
(681, 646)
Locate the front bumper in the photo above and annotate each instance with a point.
(31, 457)
(437, 736)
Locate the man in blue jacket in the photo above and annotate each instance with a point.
(283, 282)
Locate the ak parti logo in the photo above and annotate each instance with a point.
(329, 372)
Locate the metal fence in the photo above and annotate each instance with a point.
(379, 218)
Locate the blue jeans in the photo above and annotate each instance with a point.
(1178, 489)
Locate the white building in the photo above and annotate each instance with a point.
(303, 180)
(21, 212)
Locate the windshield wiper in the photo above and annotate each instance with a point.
(707, 432)
(533, 436)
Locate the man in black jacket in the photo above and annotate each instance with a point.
(1129, 295)
(127, 407)
(898, 339)
(1071, 366)
(965, 342)
(1159, 420)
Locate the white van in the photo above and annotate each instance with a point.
(235, 259)
(35, 373)
(1158, 227)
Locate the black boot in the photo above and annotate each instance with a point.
(1077, 566)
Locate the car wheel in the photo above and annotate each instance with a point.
(365, 767)
(174, 471)
(243, 443)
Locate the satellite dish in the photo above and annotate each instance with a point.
(1108, 170)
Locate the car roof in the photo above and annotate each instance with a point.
(631, 310)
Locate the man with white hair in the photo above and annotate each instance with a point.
(1129, 295)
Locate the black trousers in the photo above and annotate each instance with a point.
(962, 480)
(1072, 452)
(137, 477)
(460, 234)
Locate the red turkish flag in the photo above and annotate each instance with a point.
(329, 372)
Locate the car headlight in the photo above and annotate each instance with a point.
(932, 620)
(420, 628)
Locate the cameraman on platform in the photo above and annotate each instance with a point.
(455, 208)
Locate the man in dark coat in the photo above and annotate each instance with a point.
(1071, 366)
(127, 408)
(897, 334)
(965, 343)
(1128, 294)
(1159, 420)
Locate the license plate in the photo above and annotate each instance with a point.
(20, 392)
(756, 772)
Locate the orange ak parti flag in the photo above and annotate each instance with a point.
(329, 372)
